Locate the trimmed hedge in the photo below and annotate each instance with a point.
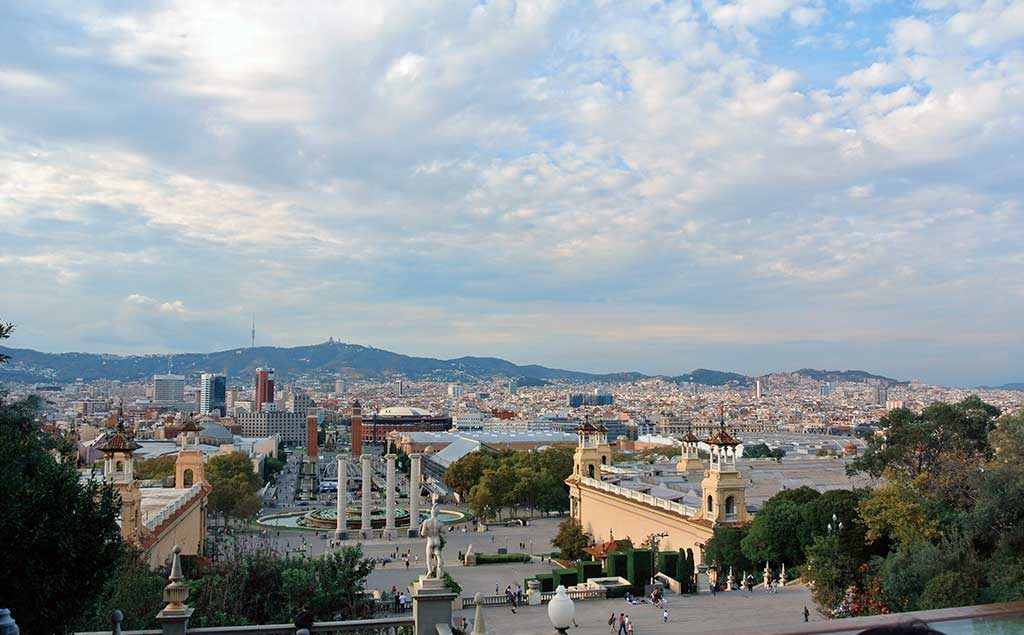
(501, 558)
(618, 564)
(547, 582)
(590, 570)
(639, 568)
(566, 577)
(667, 562)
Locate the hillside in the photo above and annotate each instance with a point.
(327, 359)
(847, 375)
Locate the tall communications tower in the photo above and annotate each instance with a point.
(252, 340)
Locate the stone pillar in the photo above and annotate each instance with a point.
(431, 605)
(341, 528)
(414, 494)
(173, 618)
(367, 529)
(389, 526)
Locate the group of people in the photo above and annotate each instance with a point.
(620, 625)
(514, 596)
(402, 601)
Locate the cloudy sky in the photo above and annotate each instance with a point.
(752, 185)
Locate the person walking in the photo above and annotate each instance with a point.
(629, 626)
(622, 624)
(664, 616)
(611, 624)
(807, 614)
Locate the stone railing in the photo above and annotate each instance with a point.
(584, 594)
(498, 600)
(647, 499)
(387, 626)
(166, 512)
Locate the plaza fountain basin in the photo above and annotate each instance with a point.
(325, 519)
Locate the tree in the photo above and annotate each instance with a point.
(830, 570)
(271, 467)
(465, 473)
(684, 570)
(235, 485)
(60, 533)
(155, 468)
(762, 451)
(571, 539)
(911, 443)
(948, 589)
(894, 512)
(725, 550)
(484, 500)
(134, 589)
(778, 532)
(6, 328)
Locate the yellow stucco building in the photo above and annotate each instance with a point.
(606, 510)
(155, 519)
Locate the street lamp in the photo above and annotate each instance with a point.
(561, 610)
(835, 526)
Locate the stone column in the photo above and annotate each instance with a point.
(367, 529)
(341, 529)
(389, 526)
(414, 494)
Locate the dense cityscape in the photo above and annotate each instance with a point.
(508, 317)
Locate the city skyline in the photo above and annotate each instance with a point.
(742, 186)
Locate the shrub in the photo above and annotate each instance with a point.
(502, 558)
(947, 590)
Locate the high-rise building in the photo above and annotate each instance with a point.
(290, 425)
(168, 389)
(512, 387)
(881, 394)
(400, 388)
(213, 394)
(757, 389)
(826, 389)
(454, 390)
(575, 400)
(264, 387)
(230, 398)
(299, 401)
(339, 386)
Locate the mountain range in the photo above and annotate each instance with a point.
(333, 358)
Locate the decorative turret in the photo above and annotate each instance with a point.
(188, 467)
(690, 461)
(592, 450)
(723, 490)
(119, 470)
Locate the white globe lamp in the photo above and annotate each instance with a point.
(561, 610)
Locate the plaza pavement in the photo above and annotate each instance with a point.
(702, 613)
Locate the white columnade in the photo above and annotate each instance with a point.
(341, 528)
(389, 525)
(367, 529)
(414, 493)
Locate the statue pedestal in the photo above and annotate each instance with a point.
(533, 593)
(431, 604)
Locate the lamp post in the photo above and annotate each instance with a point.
(653, 539)
(561, 611)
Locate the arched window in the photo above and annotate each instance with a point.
(711, 504)
(730, 506)
(604, 460)
(590, 470)
(119, 466)
(187, 477)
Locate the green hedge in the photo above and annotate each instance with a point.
(590, 570)
(639, 568)
(566, 577)
(667, 562)
(547, 582)
(501, 558)
(617, 564)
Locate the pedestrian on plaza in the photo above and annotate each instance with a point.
(714, 589)
(611, 624)
(807, 614)
(622, 624)
(629, 626)
(664, 615)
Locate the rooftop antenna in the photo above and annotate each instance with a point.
(169, 364)
(252, 341)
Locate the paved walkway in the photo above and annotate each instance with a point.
(702, 613)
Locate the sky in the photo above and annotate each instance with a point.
(755, 185)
